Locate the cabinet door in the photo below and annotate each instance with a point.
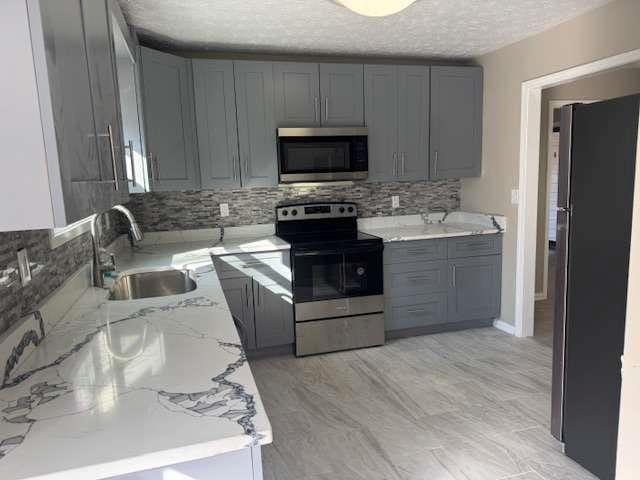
(239, 295)
(256, 124)
(474, 288)
(104, 93)
(297, 91)
(342, 94)
(456, 122)
(168, 106)
(216, 123)
(60, 60)
(413, 123)
(381, 118)
(273, 307)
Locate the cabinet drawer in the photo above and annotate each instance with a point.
(416, 311)
(417, 278)
(271, 267)
(474, 246)
(415, 251)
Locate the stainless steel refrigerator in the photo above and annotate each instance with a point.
(596, 171)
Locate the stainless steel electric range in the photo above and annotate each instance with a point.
(336, 275)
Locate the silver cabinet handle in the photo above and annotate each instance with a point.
(258, 296)
(246, 168)
(246, 294)
(316, 107)
(156, 164)
(113, 157)
(233, 166)
(435, 164)
(326, 109)
(453, 280)
(149, 166)
(395, 164)
(133, 166)
(402, 163)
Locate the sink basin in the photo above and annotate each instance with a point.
(154, 283)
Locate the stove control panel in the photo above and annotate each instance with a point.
(316, 211)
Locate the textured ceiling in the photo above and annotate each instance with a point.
(428, 28)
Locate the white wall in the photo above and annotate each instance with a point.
(601, 33)
(628, 467)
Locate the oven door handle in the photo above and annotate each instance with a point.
(347, 251)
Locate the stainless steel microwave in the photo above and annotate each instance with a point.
(322, 154)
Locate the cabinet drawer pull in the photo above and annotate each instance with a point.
(133, 167)
(395, 164)
(419, 252)
(246, 294)
(326, 109)
(316, 103)
(402, 164)
(454, 276)
(435, 164)
(415, 311)
(476, 246)
(418, 278)
(113, 157)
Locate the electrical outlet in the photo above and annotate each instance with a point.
(224, 209)
(23, 266)
(395, 201)
(515, 196)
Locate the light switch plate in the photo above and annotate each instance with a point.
(23, 266)
(395, 201)
(515, 196)
(224, 209)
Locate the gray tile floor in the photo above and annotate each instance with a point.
(471, 405)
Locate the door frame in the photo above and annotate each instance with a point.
(529, 169)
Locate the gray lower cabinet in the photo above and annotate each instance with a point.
(256, 123)
(456, 122)
(434, 285)
(170, 122)
(397, 115)
(258, 292)
(297, 87)
(273, 315)
(342, 94)
(239, 295)
(216, 123)
(475, 288)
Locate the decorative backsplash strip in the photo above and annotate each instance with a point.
(162, 211)
(53, 268)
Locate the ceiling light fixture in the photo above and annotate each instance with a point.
(375, 8)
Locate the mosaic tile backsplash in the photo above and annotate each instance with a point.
(163, 211)
(53, 267)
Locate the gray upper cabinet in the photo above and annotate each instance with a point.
(297, 90)
(170, 123)
(456, 122)
(67, 110)
(256, 123)
(105, 97)
(216, 123)
(381, 118)
(342, 94)
(413, 123)
(475, 288)
(397, 115)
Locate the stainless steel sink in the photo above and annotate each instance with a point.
(152, 283)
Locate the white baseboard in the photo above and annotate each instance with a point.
(505, 327)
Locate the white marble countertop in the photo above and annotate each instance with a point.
(437, 225)
(124, 386)
(234, 246)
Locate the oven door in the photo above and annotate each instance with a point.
(341, 273)
(322, 157)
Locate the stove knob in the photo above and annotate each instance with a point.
(341, 209)
(350, 209)
(285, 213)
(294, 212)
